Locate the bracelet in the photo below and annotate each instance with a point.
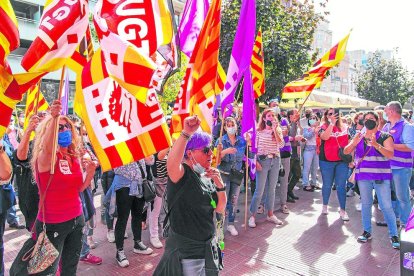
(221, 189)
(185, 135)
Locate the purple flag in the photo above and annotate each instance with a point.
(65, 94)
(195, 11)
(241, 54)
(410, 221)
(249, 120)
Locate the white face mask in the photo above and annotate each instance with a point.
(231, 130)
(276, 109)
(197, 167)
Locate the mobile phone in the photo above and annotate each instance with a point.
(269, 123)
(336, 110)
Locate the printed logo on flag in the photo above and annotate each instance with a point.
(408, 261)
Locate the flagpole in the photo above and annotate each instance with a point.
(239, 92)
(303, 104)
(36, 107)
(246, 184)
(218, 159)
(56, 126)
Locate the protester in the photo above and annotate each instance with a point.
(160, 177)
(127, 186)
(269, 141)
(294, 138)
(333, 135)
(107, 180)
(62, 207)
(310, 157)
(402, 162)
(6, 195)
(373, 151)
(194, 191)
(234, 149)
(285, 154)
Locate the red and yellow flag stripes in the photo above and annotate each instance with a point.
(257, 66)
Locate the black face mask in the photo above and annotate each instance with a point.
(370, 124)
(307, 115)
(361, 122)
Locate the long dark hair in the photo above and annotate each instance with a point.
(326, 119)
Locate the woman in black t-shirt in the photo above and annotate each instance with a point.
(194, 191)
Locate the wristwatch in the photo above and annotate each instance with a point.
(221, 189)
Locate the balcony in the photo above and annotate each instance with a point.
(27, 28)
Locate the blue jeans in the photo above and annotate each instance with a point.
(331, 171)
(412, 180)
(2, 226)
(12, 217)
(270, 172)
(232, 191)
(400, 184)
(310, 165)
(383, 191)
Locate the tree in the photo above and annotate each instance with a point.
(287, 38)
(384, 81)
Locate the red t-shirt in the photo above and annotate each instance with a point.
(62, 201)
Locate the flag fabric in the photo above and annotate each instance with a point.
(82, 54)
(89, 45)
(65, 94)
(242, 51)
(248, 128)
(410, 221)
(191, 23)
(147, 23)
(257, 66)
(34, 101)
(121, 128)
(197, 92)
(9, 33)
(124, 63)
(313, 78)
(62, 27)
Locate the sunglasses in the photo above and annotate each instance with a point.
(62, 127)
(330, 114)
(206, 150)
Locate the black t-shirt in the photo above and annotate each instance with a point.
(192, 214)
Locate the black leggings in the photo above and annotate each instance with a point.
(126, 204)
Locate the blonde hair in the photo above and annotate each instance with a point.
(75, 149)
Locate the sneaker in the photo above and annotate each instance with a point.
(296, 188)
(141, 248)
(364, 237)
(344, 216)
(274, 219)
(350, 193)
(155, 242)
(126, 236)
(252, 222)
(91, 259)
(359, 207)
(260, 209)
(16, 225)
(92, 244)
(110, 236)
(395, 242)
(121, 258)
(324, 210)
(232, 230)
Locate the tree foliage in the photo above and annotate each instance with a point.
(384, 81)
(287, 38)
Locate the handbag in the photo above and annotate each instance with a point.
(148, 187)
(236, 176)
(37, 255)
(282, 171)
(347, 158)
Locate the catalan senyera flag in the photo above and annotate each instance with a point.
(82, 54)
(62, 27)
(9, 33)
(257, 66)
(121, 128)
(314, 76)
(197, 93)
(35, 101)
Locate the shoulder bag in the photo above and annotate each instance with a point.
(148, 187)
(347, 158)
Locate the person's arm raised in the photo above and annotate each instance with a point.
(23, 148)
(174, 167)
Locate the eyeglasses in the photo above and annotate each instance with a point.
(62, 127)
(206, 150)
(330, 114)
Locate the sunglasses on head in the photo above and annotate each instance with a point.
(63, 126)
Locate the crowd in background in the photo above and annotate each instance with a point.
(354, 153)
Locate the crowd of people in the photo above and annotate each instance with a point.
(355, 154)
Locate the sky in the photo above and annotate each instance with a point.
(380, 24)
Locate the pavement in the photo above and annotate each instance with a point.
(308, 243)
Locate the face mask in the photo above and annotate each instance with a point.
(65, 138)
(276, 109)
(307, 115)
(385, 117)
(361, 122)
(370, 124)
(312, 122)
(231, 130)
(197, 167)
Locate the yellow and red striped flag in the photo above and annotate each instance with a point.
(62, 26)
(257, 66)
(34, 101)
(82, 54)
(121, 128)
(9, 33)
(313, 78)
(197, 93)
